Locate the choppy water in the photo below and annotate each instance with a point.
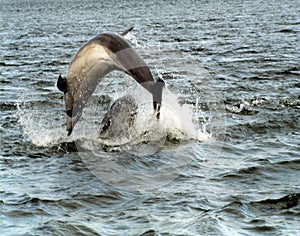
(234, 67)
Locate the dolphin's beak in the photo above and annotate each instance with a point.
(69, 126)
(156, 106)
(71, 121)
(157, 90)
(73, 115)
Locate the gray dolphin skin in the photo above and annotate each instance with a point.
(96, 58)
(119, 118)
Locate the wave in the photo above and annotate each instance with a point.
(285, 202)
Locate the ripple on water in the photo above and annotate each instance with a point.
(240, 50)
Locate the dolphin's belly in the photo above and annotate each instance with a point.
(91, 59)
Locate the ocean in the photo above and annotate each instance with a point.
(222, 160)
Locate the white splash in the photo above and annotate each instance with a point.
(45, 126)
(131, 37)
(41, 126)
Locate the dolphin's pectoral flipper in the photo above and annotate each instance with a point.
(61, 83)
(70, 112)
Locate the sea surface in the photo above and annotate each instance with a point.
(224, 159)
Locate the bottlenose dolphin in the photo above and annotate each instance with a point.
(119, 118)
(96, 58)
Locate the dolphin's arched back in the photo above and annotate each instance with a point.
(96, 58)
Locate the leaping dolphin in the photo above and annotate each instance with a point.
(96, 58)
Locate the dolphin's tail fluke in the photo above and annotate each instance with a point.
(127, 31)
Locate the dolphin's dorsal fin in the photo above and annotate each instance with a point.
(127, 31)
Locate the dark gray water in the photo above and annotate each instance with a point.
(234, 64)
